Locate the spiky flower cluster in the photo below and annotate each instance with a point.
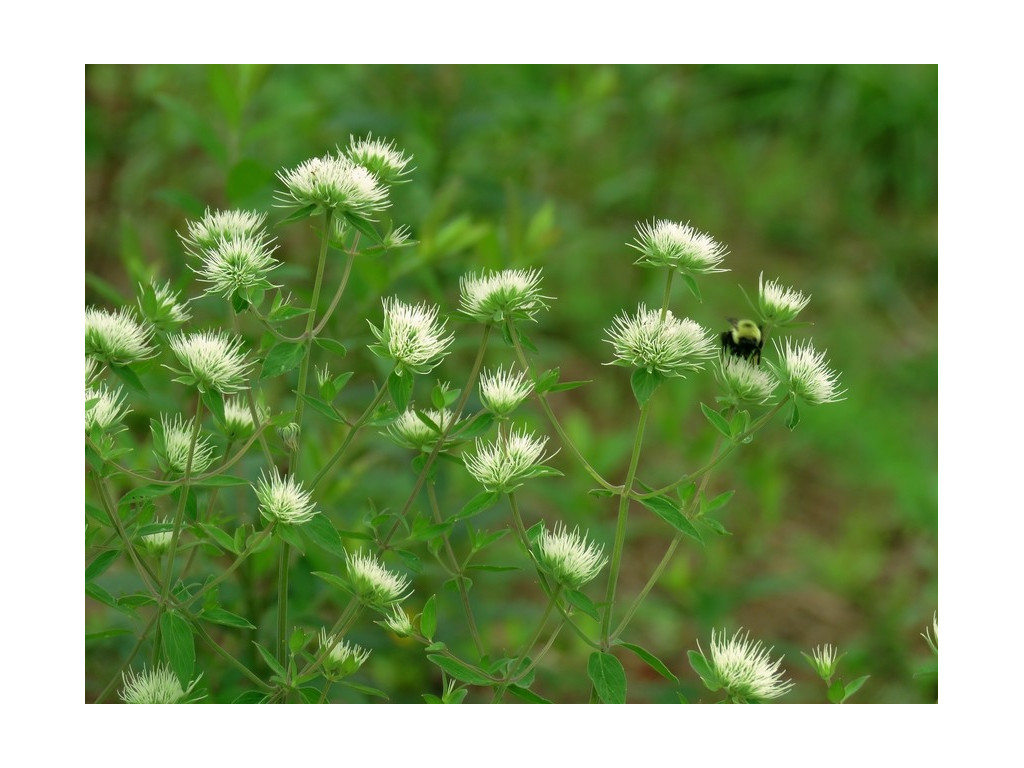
(745, 669)
(158, 541)
(242, 264)
(238, 423)
(824, 659)
(805, 373)
(411, 335)
(162, 306)
(669, 346)
(569, 557)
(217, 226)
(745, 382)
(411, 431)
(333, 182)
(777, 303)
(374, 585)
(175, 441)
(502, 391)
(664, 243)
(398, 622)
(155, 686)
(342, 659)
(107, 410)
(212, 360)
(931, 636)
(116, 338)
(381, 158)
(495, 296)
(504, 465)
(282, 499)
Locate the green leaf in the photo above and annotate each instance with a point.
(652, 661)
(715, 526)
(228, 619)
(854, 686)
(582, 603)
(128, 376)
(334, 581)
(282, 357)
(794, 417)
(428, 621)
(836, 692)
(691, 283)
(221, 481)
(93, 637)
(666, 509)
(323, 408)
(701, 667)
(100, 595)
(290, 535)
(546, 380)
(459, 671)
(564, 386)
(716, 503)
(214, 402)
(527, 695)
(644, 383)
(400, 389)
(717, 421)
(608, 677)
(179, 645)
(435, 647)
(364, 689)
(480, 424)
(268, 657)
(334, 347)
(323, 534)
(480, 502)
(238, 302)
(363, 226)
(302, 213)
(431, 698)
(100, 564)
(250, 697)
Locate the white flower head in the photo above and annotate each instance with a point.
(92, 370)
(217, 226)
(664, 243)
(212, 360)
(155, 686)
(382, 158)
(745, 669)
(669, 346)
(333, 182)
(411, 335)
(162, 306)
(824, 659)
(398, 621)
(502, 391)
(492, 297)
(107, 409)
(159, 541)
(342, 658)
(410, 430)
(239, 265)
(282, 499)
(777, 303)
(116, 338)
(805, 373)
(508, 462)
(745, 382)
(569, 557)
(173, 442)
(397, 238)
(375, 585)
(238, 422)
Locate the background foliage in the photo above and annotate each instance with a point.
(823, 176)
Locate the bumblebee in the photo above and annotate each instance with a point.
(743, 340)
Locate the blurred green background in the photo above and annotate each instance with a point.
(824, 177)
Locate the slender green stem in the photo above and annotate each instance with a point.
(353, 430)
(215, 647)
(525, 650)
(251, 402)
(543, 400)
(470, 383)
(620, 526)
(265, 322)
(249, 547)
(325, 691)
(308, 334)
(463, 594)
(338, 294)
(282, 602)
(668, 293)
(547, 647)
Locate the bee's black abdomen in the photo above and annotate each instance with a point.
(745, 348)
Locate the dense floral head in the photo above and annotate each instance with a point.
(172, 443)
(411, 335)
(502, 392)
(410, 430)
(508, 462)
(745, 669)
(664, 243)
(159, 541)
(217, 226)
(493, 297)
(104, 408)
(745, 382)
(342, 659)
(398, 621)
(381, 158)
(333, 182)
(282, 499)
(375, 585)
(211, 360)
(805, 373)
(669, 346)
(777, 303)
(239, 265)
(824, 659)
(569, 557)
(155, 686)
(238, 423)
(116, 338)
(162, 306)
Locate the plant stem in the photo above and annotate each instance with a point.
(525, 650)
(360, 422)
(131, 656)
(338, 294)
(282, 602)
(620, 526)
(668, 293)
